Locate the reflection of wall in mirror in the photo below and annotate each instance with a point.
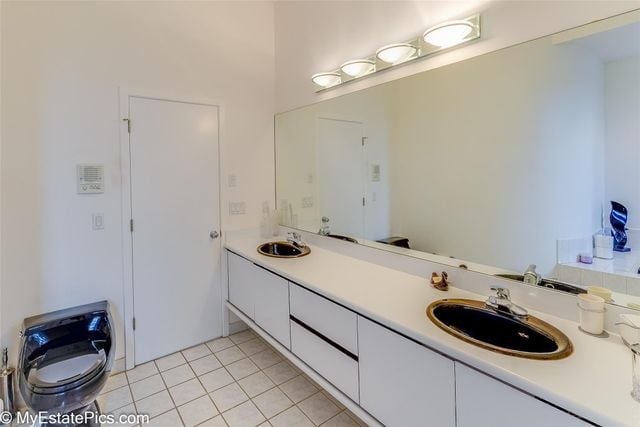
(497, 157)
(297, 175)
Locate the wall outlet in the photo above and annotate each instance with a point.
(375, 173)
(237, 208)
(232, 180)
(307, 202)
(97, 221)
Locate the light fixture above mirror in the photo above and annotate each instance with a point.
(435, 39)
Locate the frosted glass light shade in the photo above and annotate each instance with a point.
(326, 79)
(396, 53)
(448, 34)
(358, 67)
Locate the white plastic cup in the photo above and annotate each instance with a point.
(591, 311)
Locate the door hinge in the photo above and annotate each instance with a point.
(131, 225)
(128, 125)
(134, 323)
(363, 202)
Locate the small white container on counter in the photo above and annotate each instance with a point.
(603, 246)
(591, 308)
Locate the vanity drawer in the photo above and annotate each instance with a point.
(327, 318)
(333, 364)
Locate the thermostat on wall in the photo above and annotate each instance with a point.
(90, 179)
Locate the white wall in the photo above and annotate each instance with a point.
(62, 63)
(496, 157)
(622, 136)
(314, 36)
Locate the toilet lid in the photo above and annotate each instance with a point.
(67, 371)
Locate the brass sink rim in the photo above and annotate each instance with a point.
(565, 347)
(303, 252)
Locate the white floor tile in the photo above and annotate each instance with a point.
(252, 347)
(281, 372)
(242, 368)
(147, 387)
(196, 352)
(292, 417)
(272, 402)
(229, 396)
(217, 421)
(319, 408)
(266, 358)
(256, 384)
(168, 419)
(230, 355)
(170, 361)
(341, 420)
(187, 391)
(243, 336)
(125, 410)
(177, 375)
(156, 404)
(244, 415)
(220, 344)
(216, 379)
(298, 388)
(115, 399)
(114, 382)
(197, 411)
(141, 372)
(205, 364)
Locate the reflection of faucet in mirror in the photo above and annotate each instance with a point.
(531, 277)
(325, 230)
(296, 240)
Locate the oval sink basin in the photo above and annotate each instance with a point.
(283, 250)
(475, 323)
(341, 237)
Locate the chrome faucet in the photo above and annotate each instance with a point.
(324, 230)
(531, 276)
(502, 303)
(296, 240)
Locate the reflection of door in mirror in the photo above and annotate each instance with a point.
(341, 175)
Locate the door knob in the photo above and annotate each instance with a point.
(214, 234)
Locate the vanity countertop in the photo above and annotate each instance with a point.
(593, 383)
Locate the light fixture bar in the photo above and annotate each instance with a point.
(435, 39)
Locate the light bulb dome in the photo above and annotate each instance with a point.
(396, 53)
(358, 67)
(326, 79)
(448, 34)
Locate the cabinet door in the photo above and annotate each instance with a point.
(272, 305)
(485, 402)
(242, 279)
(403, 383)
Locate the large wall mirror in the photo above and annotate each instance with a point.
(497, 162)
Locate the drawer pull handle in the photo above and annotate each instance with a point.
(324, 338)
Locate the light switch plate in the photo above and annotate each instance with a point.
(237, 208)
(307, 202)
(97, 221)
(232, 180)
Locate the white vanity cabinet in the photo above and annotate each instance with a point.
(403, 383)
(482, 401)
(325, 336)
(261, 295)
(272, 306)
(243, 276)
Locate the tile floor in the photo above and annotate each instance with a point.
(239, 381)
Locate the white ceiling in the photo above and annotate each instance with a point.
(612, 45)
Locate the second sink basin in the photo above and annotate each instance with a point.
(474, 322)
(283, 250)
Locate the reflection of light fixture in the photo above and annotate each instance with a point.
(358, 67)
(326, 79)
(396, 53)
(448, 34)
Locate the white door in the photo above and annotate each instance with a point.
(175, 208)
(340, 171)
